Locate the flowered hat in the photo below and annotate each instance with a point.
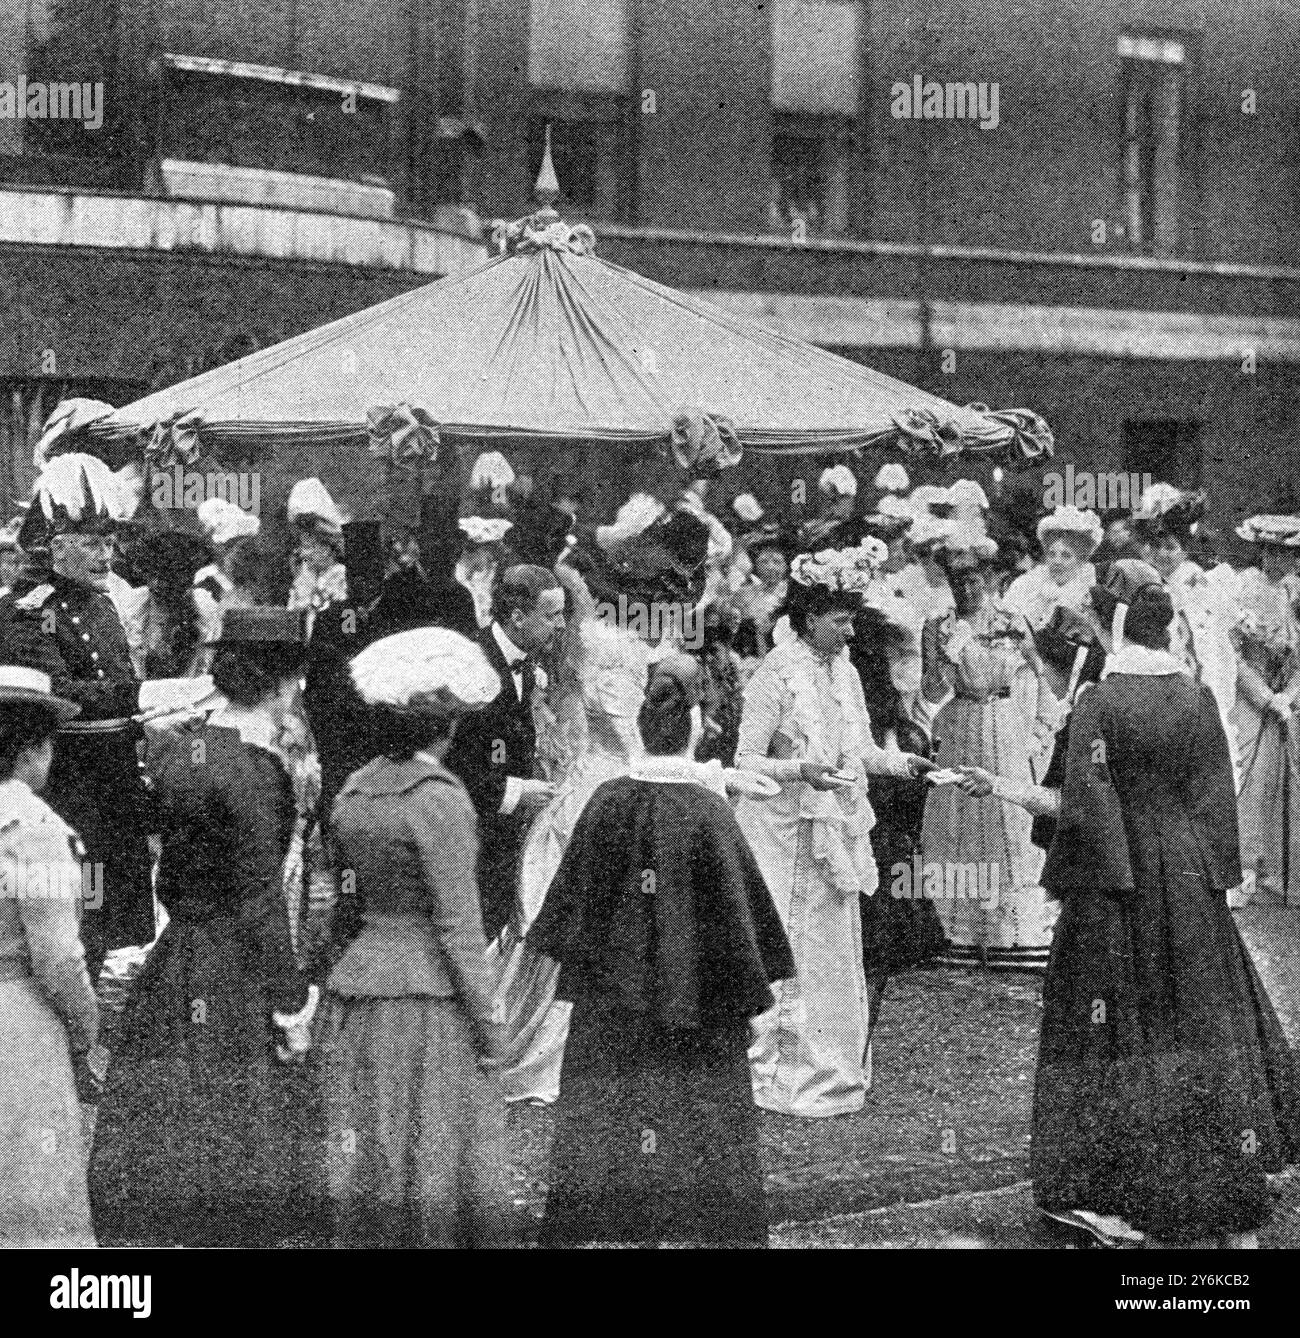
(851, 569)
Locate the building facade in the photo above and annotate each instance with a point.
(1084, 208)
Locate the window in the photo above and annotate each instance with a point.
(815, 98)
(1151, 97)
(579, 69)
(1168, 449)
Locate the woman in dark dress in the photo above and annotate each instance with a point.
(1165, 1087)
(205, 1136)
(667, 940)
(898, 932)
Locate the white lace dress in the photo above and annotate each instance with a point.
(589, 735)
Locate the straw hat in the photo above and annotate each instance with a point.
(1071, 520)
(1279, 531)
(20, 686)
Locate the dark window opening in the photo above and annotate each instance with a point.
(1168, 449)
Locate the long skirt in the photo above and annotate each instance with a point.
(656, 1136)
(42, 1168)
(1002, 917)
(416, 1152)
(203, 1138)
(538, 1023)
(809, 1052)
(1268, 803)
(1165, 1088)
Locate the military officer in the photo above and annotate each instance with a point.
(67, 627)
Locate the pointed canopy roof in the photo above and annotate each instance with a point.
(547, 342)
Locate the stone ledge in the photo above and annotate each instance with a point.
(141, 223)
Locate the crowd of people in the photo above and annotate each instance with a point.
(635, 815)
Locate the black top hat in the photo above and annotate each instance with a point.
(263, 627)
(20, 686)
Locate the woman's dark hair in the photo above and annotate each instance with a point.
(22, 727)
(665, 716)
(400, 735)
(248, 676)
(1147, 621)
(812, 601)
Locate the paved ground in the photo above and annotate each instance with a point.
(939, 1154)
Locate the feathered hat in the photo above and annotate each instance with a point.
(892, 478)
(73, 494)
(969, 504)
(838, 479)
(223, 521)
(427, 671)
(1165, 509)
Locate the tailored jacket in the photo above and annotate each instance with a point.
(491, 745)
(406, 830)
(74, 634)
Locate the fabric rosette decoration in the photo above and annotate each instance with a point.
(407, 440)
(921, 433)
(543, 231)
(174, 441)
(704, 444)
(1031, 438)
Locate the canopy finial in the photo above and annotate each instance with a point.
(547, 189)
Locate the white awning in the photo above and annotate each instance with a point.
(272, 74)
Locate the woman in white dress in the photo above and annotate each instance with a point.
(1068, 538)
(588, 735)
(999, 714)
(805, 725)
(1267, 641)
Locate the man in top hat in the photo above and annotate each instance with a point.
(493, 752)
(68, 628)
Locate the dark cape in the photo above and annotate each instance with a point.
(1165, 1088)
(667, 941)
(203, 1138)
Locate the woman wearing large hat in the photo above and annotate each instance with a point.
(204, 1136)
(805, 725)
(1068, 537)
(998, 713)
(1267, 641)
(1165, 526)
(416, 1127)
(48, 1017)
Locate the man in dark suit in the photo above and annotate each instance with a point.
(493, 752)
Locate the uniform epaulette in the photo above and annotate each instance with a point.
(34, 599)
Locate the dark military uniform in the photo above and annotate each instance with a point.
(73, 633)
